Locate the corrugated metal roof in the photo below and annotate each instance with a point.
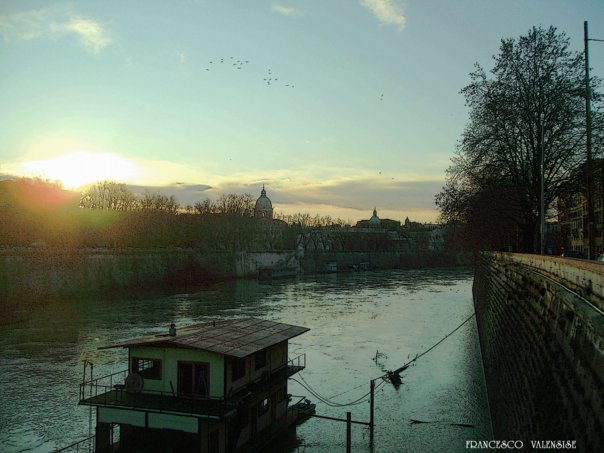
(235, 337)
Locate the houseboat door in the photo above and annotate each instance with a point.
(193, 379)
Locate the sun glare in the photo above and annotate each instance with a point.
(80, 168)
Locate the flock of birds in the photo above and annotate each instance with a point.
(270, 79)
(238, 64)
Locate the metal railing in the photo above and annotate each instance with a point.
(89, 389)
(298, 361)
(85, 445)
(111, 389)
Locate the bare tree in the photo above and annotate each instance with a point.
(158, 202)
(205, 207)
(109, 195)
(234, 204)
(531, 107)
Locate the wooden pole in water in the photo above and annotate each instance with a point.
(371, 407)
(90, 407)
(348, 431)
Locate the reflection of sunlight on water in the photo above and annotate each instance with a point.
(352, 316)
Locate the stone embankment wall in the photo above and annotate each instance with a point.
(542, 347)
(46, 272)
(314, 261)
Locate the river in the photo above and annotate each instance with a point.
(362, 324)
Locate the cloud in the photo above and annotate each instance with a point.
(23, 26)
(90, 33)
(284, 10)
(388, 12)
(49, 23)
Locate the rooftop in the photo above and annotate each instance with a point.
(236, 337)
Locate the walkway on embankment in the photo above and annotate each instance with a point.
(584, 277)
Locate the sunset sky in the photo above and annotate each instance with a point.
(335, 106)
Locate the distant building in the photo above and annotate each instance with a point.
(413, 225)
(375, 222)
(264, 207)
(572, 215)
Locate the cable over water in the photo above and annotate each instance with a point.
(386, 377)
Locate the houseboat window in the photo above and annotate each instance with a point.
(194, 379)
(238, 368)
(147, 368)
(260, 360)
(263, 409)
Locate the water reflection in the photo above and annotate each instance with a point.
(399, 313)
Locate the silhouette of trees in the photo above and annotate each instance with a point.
(531, 103)
(205, 207)
(234, 204)
(305, 220)
(109, 195)
(116, 196)
(157, 202)
(35, 213)
(229, 204)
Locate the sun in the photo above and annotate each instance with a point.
(80, 168)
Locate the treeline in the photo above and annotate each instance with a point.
(117, 196)
(39, 213)
(305, 220)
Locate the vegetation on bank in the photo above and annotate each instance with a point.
(39, 213)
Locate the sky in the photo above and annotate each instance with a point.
(337, 107)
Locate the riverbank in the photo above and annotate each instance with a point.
(34, 273)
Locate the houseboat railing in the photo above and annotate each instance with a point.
(297, 362)
(110, 389)
(91, 388)
(85, 445)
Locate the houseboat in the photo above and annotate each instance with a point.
(208, 388)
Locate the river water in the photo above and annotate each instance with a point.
(362, 324)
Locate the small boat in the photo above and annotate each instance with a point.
(304, 409)
(306, 406)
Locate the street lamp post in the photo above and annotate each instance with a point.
(590, 206)
(542, 200)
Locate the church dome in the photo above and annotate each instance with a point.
(264, 207)
(374, 220)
